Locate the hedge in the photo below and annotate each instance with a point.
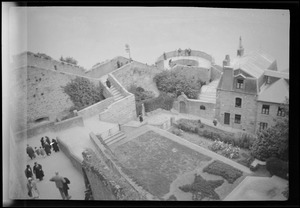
(277, 167)
(222, 169)
(163, 101)
(195, 126)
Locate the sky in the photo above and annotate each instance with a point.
(95, 34)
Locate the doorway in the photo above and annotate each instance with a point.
(227, 118)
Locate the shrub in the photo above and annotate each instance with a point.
(177, 132)
(221, 169)
(163, 101)
(176, 82)
(189, 125)
(83, 92)
(277, 167)
(202, 188)
(226, 150)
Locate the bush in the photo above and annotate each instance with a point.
(83, 93)
(226, 150)
(176, 82)
(221, 169)
(177, 132)
(277, 167)
(163, 101)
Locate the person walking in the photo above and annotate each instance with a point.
(37, 151)
(59, 182)
(48, 140)
(55, 145)
(43, 142)
(28, 172)
(42, 151)
(30, 152)
(66, 188)
(38, 171)
(33, 192)
(141, 118)
(47, 148)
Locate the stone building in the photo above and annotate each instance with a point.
(251, 91)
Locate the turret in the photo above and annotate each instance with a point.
(240, 51)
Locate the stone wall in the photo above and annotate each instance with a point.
(96, 108)
(215, 73)
(139, 74)
(226, 104)
(106, 67)
(45, 95)
(185, 62)
(31, 59)
(105, 179)
(193, 53)
(193, 107)
(121, 111)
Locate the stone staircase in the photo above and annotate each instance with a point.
(209, 92)
(116, 93)
(114, 138)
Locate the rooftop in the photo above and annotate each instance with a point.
(255, 63)
(274, 93)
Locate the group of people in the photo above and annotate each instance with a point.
(45, 148)
(33, 192)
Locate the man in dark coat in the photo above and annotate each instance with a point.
(28, 172)
(47, 148)
(66, 187)
(55, 145)
(30, 151)
(43, 142)
(38, 171)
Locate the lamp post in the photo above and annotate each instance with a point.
(127, 49)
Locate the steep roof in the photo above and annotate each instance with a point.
(274, 93)
(255, 63)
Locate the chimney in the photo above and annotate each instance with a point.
(227, 83)
(226, 61)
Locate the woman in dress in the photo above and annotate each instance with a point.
(33, 192)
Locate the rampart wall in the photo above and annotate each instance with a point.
(139, 74)
(107, 67)
(192, 72)
(32, 59)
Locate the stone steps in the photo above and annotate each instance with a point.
(115, 138)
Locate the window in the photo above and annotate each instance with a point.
(263, 125)
(265, 109)
(237, 119)
(239, 83)
(238, 102)
(268, 80)
(202, 107)
(280, 112)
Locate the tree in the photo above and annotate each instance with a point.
(70, 60)
(83, 92)
(273, 141)
(177, 81)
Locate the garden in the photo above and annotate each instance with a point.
(155, 161)
(221, 142)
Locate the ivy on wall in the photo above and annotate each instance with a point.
(83, 92)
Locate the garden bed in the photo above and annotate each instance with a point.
(222, 169)
(154, 161)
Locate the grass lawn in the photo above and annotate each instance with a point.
(155, 161)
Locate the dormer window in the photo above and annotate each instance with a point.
(239, 83)
(268, 80)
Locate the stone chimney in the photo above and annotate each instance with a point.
(227, 82)
(226, 61)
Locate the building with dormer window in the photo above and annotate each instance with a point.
(251, 91)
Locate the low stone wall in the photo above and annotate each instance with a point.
(118, 85)
(75, 160)
(196, 107)
(34, 130)
(96, 108)
(68, 123)
(107, 182)
(183, 53)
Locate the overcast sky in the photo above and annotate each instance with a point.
(95, 34)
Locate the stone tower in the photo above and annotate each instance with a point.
(240, 51)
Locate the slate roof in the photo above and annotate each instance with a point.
(254, 63)
(274, 93)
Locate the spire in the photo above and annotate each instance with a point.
(240, 51)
